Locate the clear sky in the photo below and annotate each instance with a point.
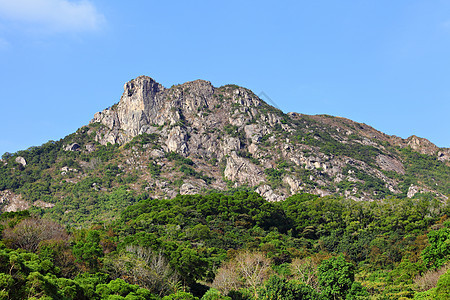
(384, 63)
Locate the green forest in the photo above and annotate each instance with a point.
(233, 245)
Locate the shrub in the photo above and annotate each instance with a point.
(438, 251)
(246, 270)
(277, 288)
(430, 278)
(443, 287)
(30, 232)
(336, 277)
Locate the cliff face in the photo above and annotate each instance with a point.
(251, 143)
(146, 105)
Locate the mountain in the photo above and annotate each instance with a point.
(197, 138)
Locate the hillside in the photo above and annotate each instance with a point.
(195, 138)
(196, 192)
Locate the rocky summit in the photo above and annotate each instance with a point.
(235, 138)
(196, 138)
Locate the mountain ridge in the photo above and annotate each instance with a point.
(194, 138)
(417, 143)
(140, 111)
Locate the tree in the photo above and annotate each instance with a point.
(443, 287)
(336, 277)
(60, 253)
(6, 283)
(357, 292)
(29, 233)
(189, 263)
(89, 250)
(438, 251)
(143, 267)
(246, 270)
(277, 288)
(213, 294)
(305, 270)
(180, 296)
(120, 288)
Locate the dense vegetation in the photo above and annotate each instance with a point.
(234, 246)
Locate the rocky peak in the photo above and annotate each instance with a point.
(237, 139)
(421, 145)
(146, 104)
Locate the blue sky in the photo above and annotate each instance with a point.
(383, 63)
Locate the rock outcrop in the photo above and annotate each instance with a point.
(72, 147)
(10, 201)
(390, 164)
(251, 143)
(21, 160)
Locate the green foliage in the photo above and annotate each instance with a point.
(173, 156)
(154, 169)
(274, 176)
(213, 294)
(105, 152)
(405, 272)
(190, 172)
(26, 275)
(277, 288)
(371, 183)
(437, 253)
(86, 203)
(235, 132)
(231, 130)
(17, 215)
(357, 292)
(13, 175)
(320, 137)
(122, 290)
(425, 168)
(89, 282)
(336, 277)
(426, 295)
(142, 139)
(443, 287)
(88, 250)
(249, 156)
(180, 296)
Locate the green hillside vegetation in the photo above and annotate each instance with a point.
(234, 245)
(97, 173)
(109, 235)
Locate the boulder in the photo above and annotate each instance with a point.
(72, 147)
(21, 160)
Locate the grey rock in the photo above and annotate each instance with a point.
(188, 189)
(90, 147)
(42, 204)
(176, 140)
(421, 145)
(267, 193)
(21, 160)
(72, 147)
(156, 153)
(390, 164)
(10, 201)
(242, 171)
(444, 154)
(294, 184)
